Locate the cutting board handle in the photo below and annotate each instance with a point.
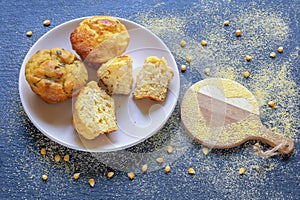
(274, 139)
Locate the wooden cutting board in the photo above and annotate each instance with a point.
(221, 113)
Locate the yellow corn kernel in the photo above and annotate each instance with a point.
(110, 174)
(76, 176)
(182, 43)
(248, 58)
(238, 33)
(242, 171)
(29, 33)
(203, 42)
(167, 169)
(44, 177)
(92, 182)
(191, 171)
(47, 22)
(207, 71)
(272, 54)
(67, 158)
(43, 151)
(57, 158)
(183, 68)
(188, 59)
(246, 74)
(144, 168)
(226, 23)
(280, 49)
(160, 160)
(169, 149)
(131, 175)
(271, 104)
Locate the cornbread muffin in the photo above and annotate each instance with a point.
(152, 79)
(55, 74)
(98, 39)
(94, 112)
(116, 75)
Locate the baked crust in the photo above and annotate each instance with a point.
(55, 74)
(99, 38)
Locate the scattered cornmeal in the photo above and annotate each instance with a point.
(246, 74)
(272, 54)
(144, 168)
(238, 33)
(131, 175)
(29, 33)
(67, 158)
(271, 104)
(182, 43)
(207, 71)
(280, 49)
(226, 23)
(242, 171)
(76, 176)
(57, 158)
(203, 43)
(169, 149)
(205, 150)
(47, 22)
(110, 174)
(43, 151)
(248, 58)
(191, 171)
(92, 182)
(167, 169)
(160, 160)
(44, 177)
(183, 68)
(188, 59)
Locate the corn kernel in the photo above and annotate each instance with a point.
(207, 71)
(92, 182)
(43, 151)
(242, 171)
(248, 58)
(271, 104)
(131, 175)
(169, 149)
(238, 33)
(272, 54)
(246, 74)
(188, 59)
(57, 158)
(167, 169)
(144, 168)
(280, 49)
(160, 160)
(182, 43)
(226, 23)
(47, 22)
(29, 33)
(205, 150)
(203, 43)
(76, 176)
(44, 177)
(191, 171)
(67, 158)
(110, 174)
(183, 68)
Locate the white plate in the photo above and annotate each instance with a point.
(137, 119)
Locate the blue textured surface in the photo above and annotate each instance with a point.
(21, 164)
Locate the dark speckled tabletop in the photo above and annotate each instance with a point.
(265, 25)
